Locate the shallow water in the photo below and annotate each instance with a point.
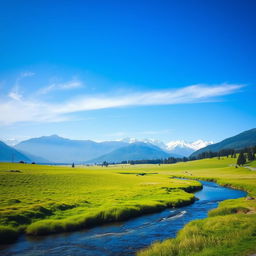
(127, 237)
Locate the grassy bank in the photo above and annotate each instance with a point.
(230, 229)
(40, 200)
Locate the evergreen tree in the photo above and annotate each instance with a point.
(250, 156)
(105, 163)
(241, 160)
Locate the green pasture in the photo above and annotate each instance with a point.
(230, 230)
(38, 199)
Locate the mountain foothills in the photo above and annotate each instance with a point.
(238, 142)
(134, 151)
(178, 147)
(61, 150)
(9, 154)
(55, 149)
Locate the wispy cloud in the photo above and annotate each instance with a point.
(189, 94)
(17, 109)
(72, 84)
(27, 74)
(15, 93)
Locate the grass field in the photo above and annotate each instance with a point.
(230, 229)
(44, 199)
(40, 200)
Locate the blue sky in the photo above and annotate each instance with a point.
(106, 70)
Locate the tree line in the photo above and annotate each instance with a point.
(242, 155)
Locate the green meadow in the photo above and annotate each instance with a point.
(39, 200)
(230, 229)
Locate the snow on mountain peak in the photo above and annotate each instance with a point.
(200, 144)
(177, 143)
(192, 145)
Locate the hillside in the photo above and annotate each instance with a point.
(61, 150)
(177, 147)
(134, 151)
(9, 154)
(240, 141)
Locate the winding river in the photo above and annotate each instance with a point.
(127, 237)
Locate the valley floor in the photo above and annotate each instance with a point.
(230, 229)
(39, 200)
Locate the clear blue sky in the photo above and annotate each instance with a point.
(105, 70)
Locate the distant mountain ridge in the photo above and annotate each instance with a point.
(61, 150)
(178, 147)
(240, 141)
(133, 151)
(9, 154)
(56, 149)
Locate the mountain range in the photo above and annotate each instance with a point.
(61, 150)
(178, 147)
(9, 154)
(240, 141)
(134, 151)
(55, 149)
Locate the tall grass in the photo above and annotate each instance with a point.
(41, 200)
(230, 230)
(108, 215)
(230, 235)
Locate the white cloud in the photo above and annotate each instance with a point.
(72, 84)
(18, 109)
(15, 93)
(189, 94)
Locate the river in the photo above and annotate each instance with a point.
(127, 237)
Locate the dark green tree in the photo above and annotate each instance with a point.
(105, 163)
(250, 156)
(241, 160)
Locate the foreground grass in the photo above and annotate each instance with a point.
(43, 199)
(39, 200)
(230, 229)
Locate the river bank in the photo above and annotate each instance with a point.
(125, 237)
(229, 229)
(41, 200)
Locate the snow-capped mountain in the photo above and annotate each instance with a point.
(184, 148)
(155, 142)
(179, 147)
(183, 144)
